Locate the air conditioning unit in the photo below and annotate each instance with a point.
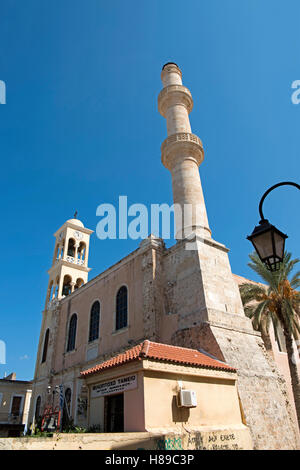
(187, 399)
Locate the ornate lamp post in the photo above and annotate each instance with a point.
(267, 240)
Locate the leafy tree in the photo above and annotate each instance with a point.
(277, 303)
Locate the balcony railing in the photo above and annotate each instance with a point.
(70, 259)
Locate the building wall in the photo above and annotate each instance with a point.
(217, 402)
(64, 367)
(278, 353)
(9, 389)
(134, 404)
(152, 404)
(234, 438)
(175, 295)
(133, 399)
(281, 360)
(104, 290)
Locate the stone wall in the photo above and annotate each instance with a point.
(180, 297)
(152, 272)
(211, 317)
(235, 438)
(261, 389)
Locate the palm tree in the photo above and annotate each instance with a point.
(277, 303)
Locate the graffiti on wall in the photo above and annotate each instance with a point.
(218, 440)
(171, 443)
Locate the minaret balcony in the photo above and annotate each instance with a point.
(182, 145)
(172, 95)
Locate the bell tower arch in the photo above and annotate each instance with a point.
(69, 269)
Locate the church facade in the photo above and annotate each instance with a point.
(176, 296)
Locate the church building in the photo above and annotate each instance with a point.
(159, 341)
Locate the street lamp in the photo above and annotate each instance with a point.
(267, 240)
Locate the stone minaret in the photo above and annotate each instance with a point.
(182, 153)
(204, 299)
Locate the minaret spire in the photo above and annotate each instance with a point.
(182, 153)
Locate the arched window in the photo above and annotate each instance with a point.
(79, 283)
(68, 396)
(50, 295)
(67, 289)
(72, 333)
(66, 418)
(121, 308)
(81, 251)
(71, 247)
(94, 321)
(45, 349)
(37, 408)
(55, 291)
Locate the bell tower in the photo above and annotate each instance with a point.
(69, 269)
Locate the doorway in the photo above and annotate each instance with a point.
(114, 413)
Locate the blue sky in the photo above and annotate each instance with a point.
(81, 127)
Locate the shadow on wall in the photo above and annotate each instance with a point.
(193, 441)
(198, 337)
(179, 415)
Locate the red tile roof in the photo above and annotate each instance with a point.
(161, 352)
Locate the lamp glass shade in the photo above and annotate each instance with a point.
(269, 243)
(263, 244)
(279, 242)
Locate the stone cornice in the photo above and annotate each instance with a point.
(170, 67)
(172, 95)
(184, 369)
(63, 262)
(152, 242)
(234, 322)
(178, 245)
(150, 366)
(182, 145)
(75, 227)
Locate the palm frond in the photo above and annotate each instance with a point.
(268, 276)
(249, 311)
(288, 314)
(295, 280)
(289, 265)
(260, 311)
(251, 292)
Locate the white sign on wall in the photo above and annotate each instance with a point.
(114, 386)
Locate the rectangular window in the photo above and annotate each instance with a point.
(16, 406)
